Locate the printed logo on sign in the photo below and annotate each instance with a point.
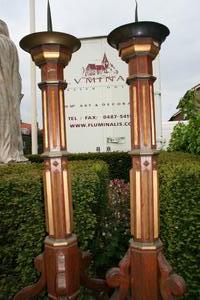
(104, 72)
(104, 68)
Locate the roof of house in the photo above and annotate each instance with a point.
(25, 125)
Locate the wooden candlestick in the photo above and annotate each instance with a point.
(60, 263)
(147, 273)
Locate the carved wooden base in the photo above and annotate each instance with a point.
(60, 271)
(146, 274)
(62, 268)
(143, 272)
(171, 284)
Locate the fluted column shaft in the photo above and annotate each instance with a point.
(144, 181)
(52, 59)
(61, 253)
(139, 54)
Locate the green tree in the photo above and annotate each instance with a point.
(186, 137)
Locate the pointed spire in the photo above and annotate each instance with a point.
(105, 61)
(136, 11)
(49, 20)
(104, 58)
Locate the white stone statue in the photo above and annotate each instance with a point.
(11, 146)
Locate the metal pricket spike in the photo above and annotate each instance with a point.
(49, 19)
(136, 11)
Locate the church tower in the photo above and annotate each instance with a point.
(105, 61)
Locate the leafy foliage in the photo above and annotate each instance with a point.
(89, 193)
(102, 227)
(186, 137)
(115, 232)
(179, 138)
(189, 105)
(180, 217)
(118, 163)
(22, 228)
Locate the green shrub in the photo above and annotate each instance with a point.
(89, 193)
(186, 137)
(177, 157)
(115, 233)
(179, 138)
(180, 219)
(22, 228)
(118, 163)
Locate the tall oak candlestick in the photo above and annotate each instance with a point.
(144, 269)
(59, 264)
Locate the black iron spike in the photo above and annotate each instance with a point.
(49, 19)
(136, 11)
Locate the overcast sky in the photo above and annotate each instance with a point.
(180, 53)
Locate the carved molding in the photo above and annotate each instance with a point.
(171, 284)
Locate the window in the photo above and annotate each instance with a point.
(108, 149)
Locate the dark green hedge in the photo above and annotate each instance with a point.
(21, 208)
(22, 228)
(180, 217)
(118, 163)
(179, 175)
